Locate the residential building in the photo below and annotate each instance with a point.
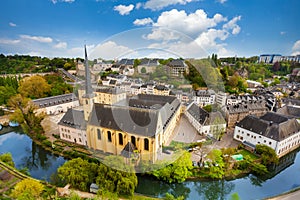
(237, 112)
(280, 132)
(147, 65)
(109, 95)
(221, 98)
(204, 97)
(211, 124)
(72, 127)
(56, 104)
(177, 67)
(161, 90)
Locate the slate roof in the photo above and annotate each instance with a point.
(55, 100)
(198, 113)
(74, 119)
(272, 125)
(149, 62)
(246, 106)
(127, 119)
(290, 111)
(128, 150)
(176, 63)
(109, 90)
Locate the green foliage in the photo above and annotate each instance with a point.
(117, 178)
(208, 108)
(171, 197)
(58, 85)
(136, 63)
(7, 158)
(8, 88)
(268, 155)
(34, 87)
(47, 143)
(25, 114)
(178, 171)
(27, 189)
(234, 196)
(258, 168)
(143, 70)
(78, 172)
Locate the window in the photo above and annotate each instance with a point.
(120, 139)
(270, 143)
(146, 144)
(79, 139)
(133, 140)
(109, 136)
(99, 134)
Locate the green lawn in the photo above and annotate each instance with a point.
(245, 152)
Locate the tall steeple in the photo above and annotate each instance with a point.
(88, 97)
(88, 85)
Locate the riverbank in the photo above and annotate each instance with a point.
(290, 195)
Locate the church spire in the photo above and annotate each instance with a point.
(88, 85)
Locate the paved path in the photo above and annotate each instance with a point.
(290, 196)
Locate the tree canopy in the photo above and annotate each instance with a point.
(34, 87)
(27, 189)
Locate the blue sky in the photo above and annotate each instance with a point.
(153, 28)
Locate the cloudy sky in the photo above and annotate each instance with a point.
(153, 28)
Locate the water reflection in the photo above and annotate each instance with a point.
(214, 190)
(27, 154)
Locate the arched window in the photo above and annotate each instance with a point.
(120, 139)
(86, 102)
(146, 144)
(109, 136)
(133, 140)
(99, 134)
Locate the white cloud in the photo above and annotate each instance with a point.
(12, 24)
(296, 48)
(221, 1)
(37, 38)
(61, 45)
(191, 24)
(109, 50)
(5, 41)
(282, 33)
(194, 34)
(138, 5)
(159, 4)
(124, 10)
(142, 22)
(231, 25)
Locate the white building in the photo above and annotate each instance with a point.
(277, 131)
(72, 127)
(204, 97)
(56, 104)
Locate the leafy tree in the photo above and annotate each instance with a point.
(171, 197)
(7, 158)
(143, 70)
(27, 189)
(25, 114)
(34, 87)
(208, 108)
(78, 173)
(258, 168)
(117, 178)
(268, 155)
(178, 171)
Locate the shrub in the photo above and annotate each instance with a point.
(47, 143)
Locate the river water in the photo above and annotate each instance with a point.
(41, 164)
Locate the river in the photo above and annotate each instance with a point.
(41, 164)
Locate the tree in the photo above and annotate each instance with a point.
(122, 181)
(34, 87)
(143, 70)
(268, 155)
(78, 173)
(178, 171)
(27, 189)
(25, 114)
(7, 158)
